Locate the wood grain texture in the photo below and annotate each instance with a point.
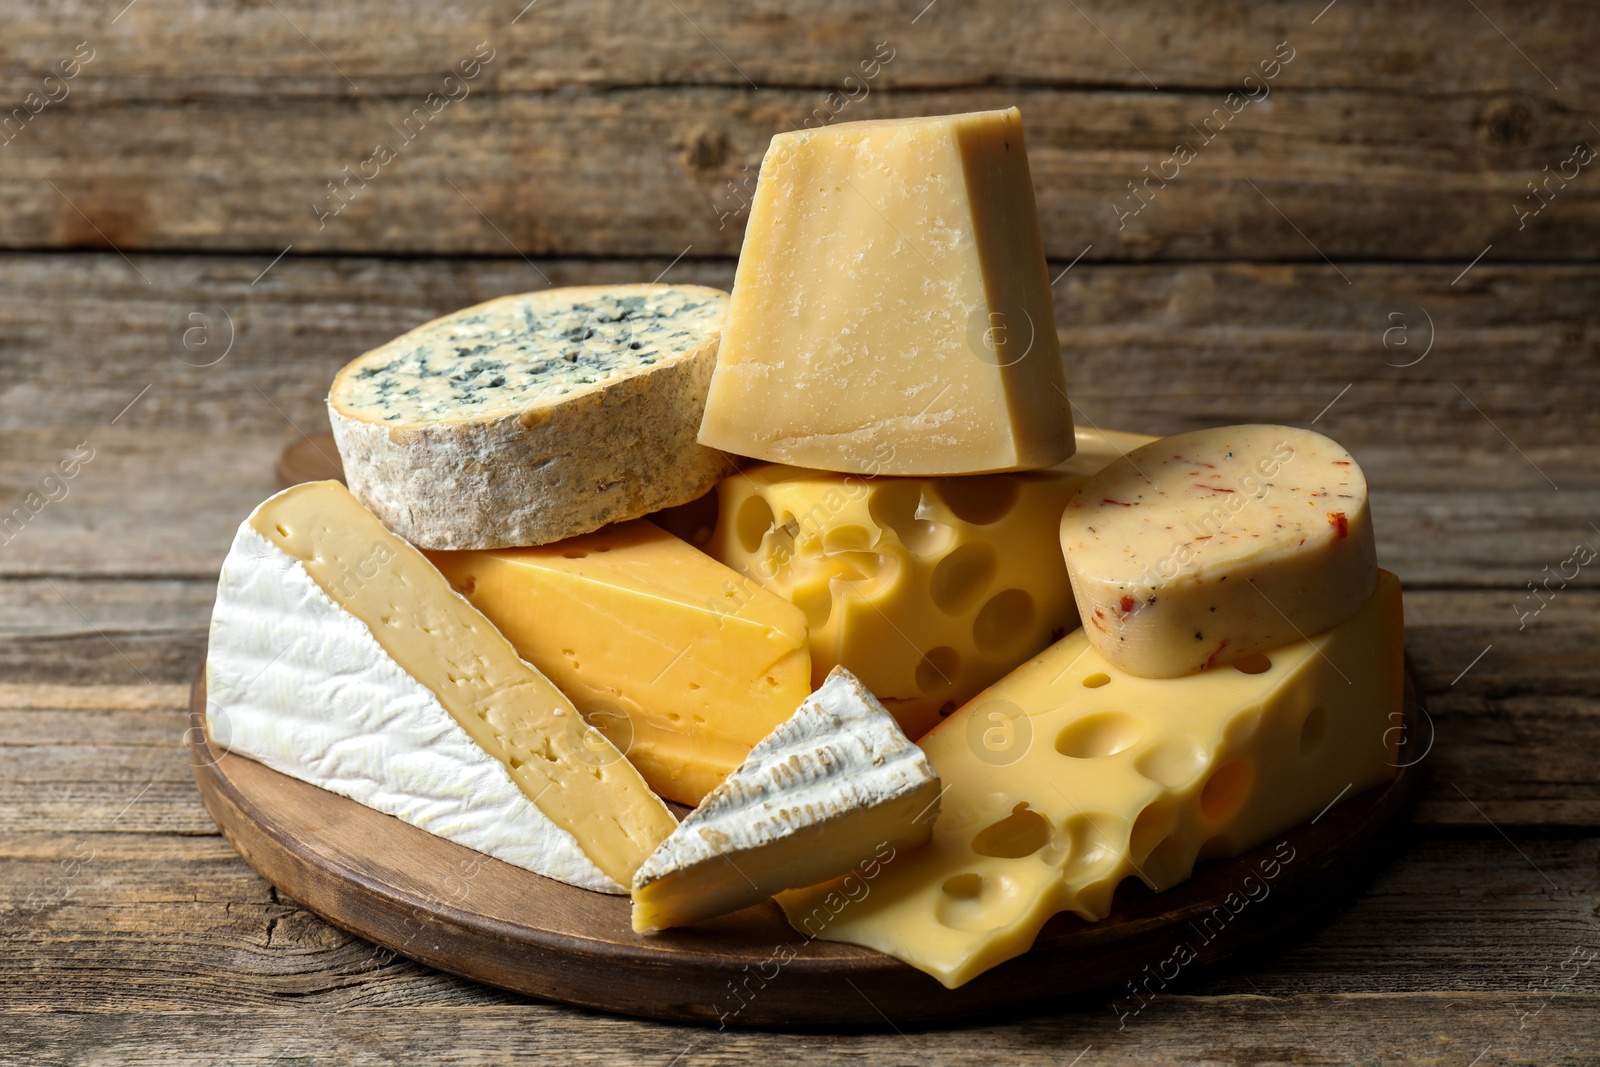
(1425, 1030)
(1158, 347)
(160, 921)
(1347, 174)
(404, 47)
(1405, 133)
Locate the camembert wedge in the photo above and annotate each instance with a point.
(341, 657)
(828, 791)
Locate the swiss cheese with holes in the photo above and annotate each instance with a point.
(1072, 774)
(928, 589)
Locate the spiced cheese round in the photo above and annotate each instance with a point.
(1209, 548)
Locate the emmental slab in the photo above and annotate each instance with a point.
(1071, 774)
(928, 589)
(891, 312)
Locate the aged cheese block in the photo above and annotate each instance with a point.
(1201, 549)
(661, 647)
(928, 589)
(341, 657)
(891, 313)
(1071, 775)
(533, 417)
(835, 788)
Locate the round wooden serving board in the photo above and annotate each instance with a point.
(460, 911)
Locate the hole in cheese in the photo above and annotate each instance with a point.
(895, 505)
(963, 886)
(1003, 621)
(816, 601)
(1225, 791)
(938, 669)
(1022, 833)
(1168, 864)
(1312, 730)
(979, 499)
(755, 519)
(962, 576)
(1090, 838)
(845, 538)
(1096, 680)
(1173, 762)
(1102, 734)
(1153, 824)
(574, 553)
(1255, 663)
(973, 902)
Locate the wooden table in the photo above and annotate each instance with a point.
(1354, 248)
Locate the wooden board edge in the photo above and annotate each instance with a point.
(817, 993)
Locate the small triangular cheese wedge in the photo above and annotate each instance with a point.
(829, 791)
(341, 657)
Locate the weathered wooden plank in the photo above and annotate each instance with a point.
(147, 631)
(158, 503)
(1250, 1030)
(1343, 173)
(1160, 348)
(162, 923)
(1154, 348)
(210, 48)
(1514, 715)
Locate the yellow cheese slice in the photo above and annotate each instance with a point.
(674, 657)
(927, 589)
(892, 313)
(509, 709)
(1070, 775)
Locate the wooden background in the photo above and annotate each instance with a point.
(1373, 208)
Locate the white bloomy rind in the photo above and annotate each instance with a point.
(840, 758)
(299, 684)
(533, 418)
(1198, 550)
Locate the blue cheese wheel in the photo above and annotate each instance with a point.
(1212, 547)
(535, 417)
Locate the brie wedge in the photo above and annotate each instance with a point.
(341, 657)
(827, 792)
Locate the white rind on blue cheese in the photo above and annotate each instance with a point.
(535, 417)
(835, 787)
(297, 683)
